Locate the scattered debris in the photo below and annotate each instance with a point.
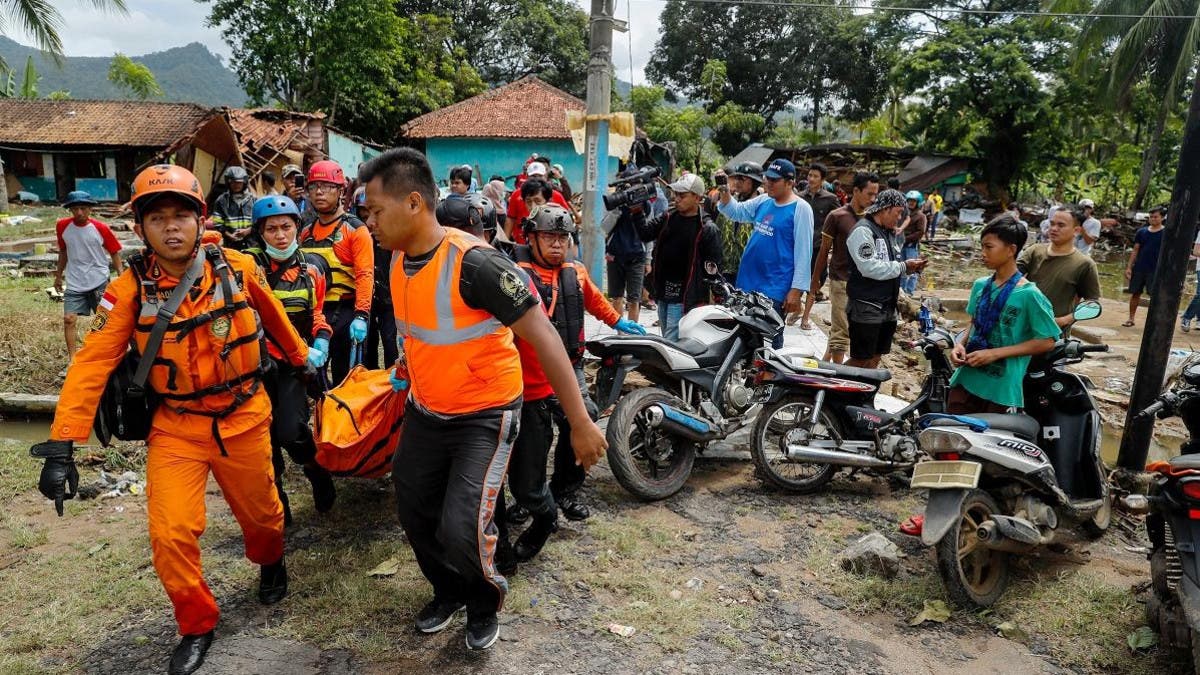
(695, 584)
(1142, 638)
(107, 486)
(873, 554)
(623, 631)
(387, 568)
(1012, 631)
(935, 611)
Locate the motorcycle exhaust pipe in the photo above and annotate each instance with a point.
(680, 424)
(804, 453)
(990, 536)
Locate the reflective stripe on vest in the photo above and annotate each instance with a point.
(340, 280)
(446, 333)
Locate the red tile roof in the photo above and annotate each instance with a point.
(269, 130)
(98, 123)
(527, 108)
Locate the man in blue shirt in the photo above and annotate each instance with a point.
(777, 256)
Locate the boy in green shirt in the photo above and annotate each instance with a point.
(1010, 322)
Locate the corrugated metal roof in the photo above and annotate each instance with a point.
(527, 108)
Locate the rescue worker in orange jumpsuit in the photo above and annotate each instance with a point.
(297, 279)
(213, 414)
(458, 303)
(566, 292)
(344, 243)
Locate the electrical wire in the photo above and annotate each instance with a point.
(930, 10)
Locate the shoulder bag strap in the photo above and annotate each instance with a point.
(165, 314)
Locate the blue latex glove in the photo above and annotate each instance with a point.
(358, 330)
(398, 385)
(631, 327)
(318, 353)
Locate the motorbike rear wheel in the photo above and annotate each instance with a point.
(647, 461)
(973, 575)
(768, 441)
(1095, 527)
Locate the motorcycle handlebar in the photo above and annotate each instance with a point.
(1152, 409)
(1084, 349)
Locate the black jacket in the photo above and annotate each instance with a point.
(706, 248)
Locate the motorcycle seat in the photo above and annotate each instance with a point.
(612, 344)
(1018, 424)
(1185, 462)
(876, 375)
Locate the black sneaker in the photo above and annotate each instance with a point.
(506, 559)
(572, 508)
(437, 615)
(517, 514)
(324, 493)
(189, 654)
(531, 541)
(482, 631)
(272, 583)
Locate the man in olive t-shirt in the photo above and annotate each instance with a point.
(1063, 274)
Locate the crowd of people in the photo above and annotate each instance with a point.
(243, 310)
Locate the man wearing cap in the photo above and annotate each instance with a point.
(777, 258)
(874, 284)
(518, 211)
(85, 249)
(685, 240)
(293, 186)
(1090, 231)
(745, 181)
(913, 228)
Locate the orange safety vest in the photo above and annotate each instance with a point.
(209, 363)
(460, 359)
(340, 275)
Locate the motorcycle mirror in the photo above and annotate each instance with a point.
(1086, 310)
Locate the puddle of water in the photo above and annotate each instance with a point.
(30, 431)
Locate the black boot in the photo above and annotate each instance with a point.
(287, 508)
(531, 541)
(506, 559)
(324, 493)
(189, 653)
(517, 514)
(272, 583)
(572, 508)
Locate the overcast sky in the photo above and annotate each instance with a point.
(155, 25)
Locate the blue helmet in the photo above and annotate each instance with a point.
(916, 196)
(275, 205)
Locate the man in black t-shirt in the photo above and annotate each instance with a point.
(686, 238)
(458, 303)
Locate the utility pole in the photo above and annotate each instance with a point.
(1177, 242)
(599, 105)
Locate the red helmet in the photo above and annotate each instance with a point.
(327, 171)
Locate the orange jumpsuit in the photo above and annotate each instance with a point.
(185, 446)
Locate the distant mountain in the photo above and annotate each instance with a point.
(189, 73)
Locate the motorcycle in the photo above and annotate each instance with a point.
(702, 389)
(819, 417)
(1173, 524)
(1003, 485)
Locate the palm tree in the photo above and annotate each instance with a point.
(1154, 46)
(43, 23)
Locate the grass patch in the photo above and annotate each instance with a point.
(32, 351)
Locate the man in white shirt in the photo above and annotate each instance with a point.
(1091, 227)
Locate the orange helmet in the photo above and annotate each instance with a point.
(163, 179)
(327, 171)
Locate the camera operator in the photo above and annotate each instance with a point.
(627, 257)
(745, 181)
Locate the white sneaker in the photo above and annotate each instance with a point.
(1185, 325)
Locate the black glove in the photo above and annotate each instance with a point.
(60, 479)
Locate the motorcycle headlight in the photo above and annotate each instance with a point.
(936, 441)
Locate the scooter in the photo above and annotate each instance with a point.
(819, 417)
(1004, 485)
(1173, 524)
(702, 390)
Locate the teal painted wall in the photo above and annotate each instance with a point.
(348, 153)
(501, 156)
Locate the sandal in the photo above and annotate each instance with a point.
(913, 526)
(806, 325)
(1128, 324)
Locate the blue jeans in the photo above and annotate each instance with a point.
(1193, 308)
(669, 315)
(909, 281)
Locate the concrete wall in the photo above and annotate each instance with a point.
(349, 153)
(501, 156)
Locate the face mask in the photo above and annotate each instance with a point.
(282, 253)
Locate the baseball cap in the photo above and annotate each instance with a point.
(886, 200)
(689, 183)
(1085, 203)
(536, 169)
(292, 170)
(780, 168)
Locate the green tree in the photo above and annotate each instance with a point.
(29, 82)
(825, 58)
(359, 61)
(59, 95)
(691, 127)
(505, 40)
(1152, 48)
(43, 22)
(133, 77)
(980, 81)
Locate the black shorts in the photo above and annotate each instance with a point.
(625, 279)
(1141, 281)
(868, 340)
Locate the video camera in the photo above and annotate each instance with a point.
(633, 190)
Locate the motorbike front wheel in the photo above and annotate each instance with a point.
(776, 426)
(1095, 527)
(973, 574)
(646, 460)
